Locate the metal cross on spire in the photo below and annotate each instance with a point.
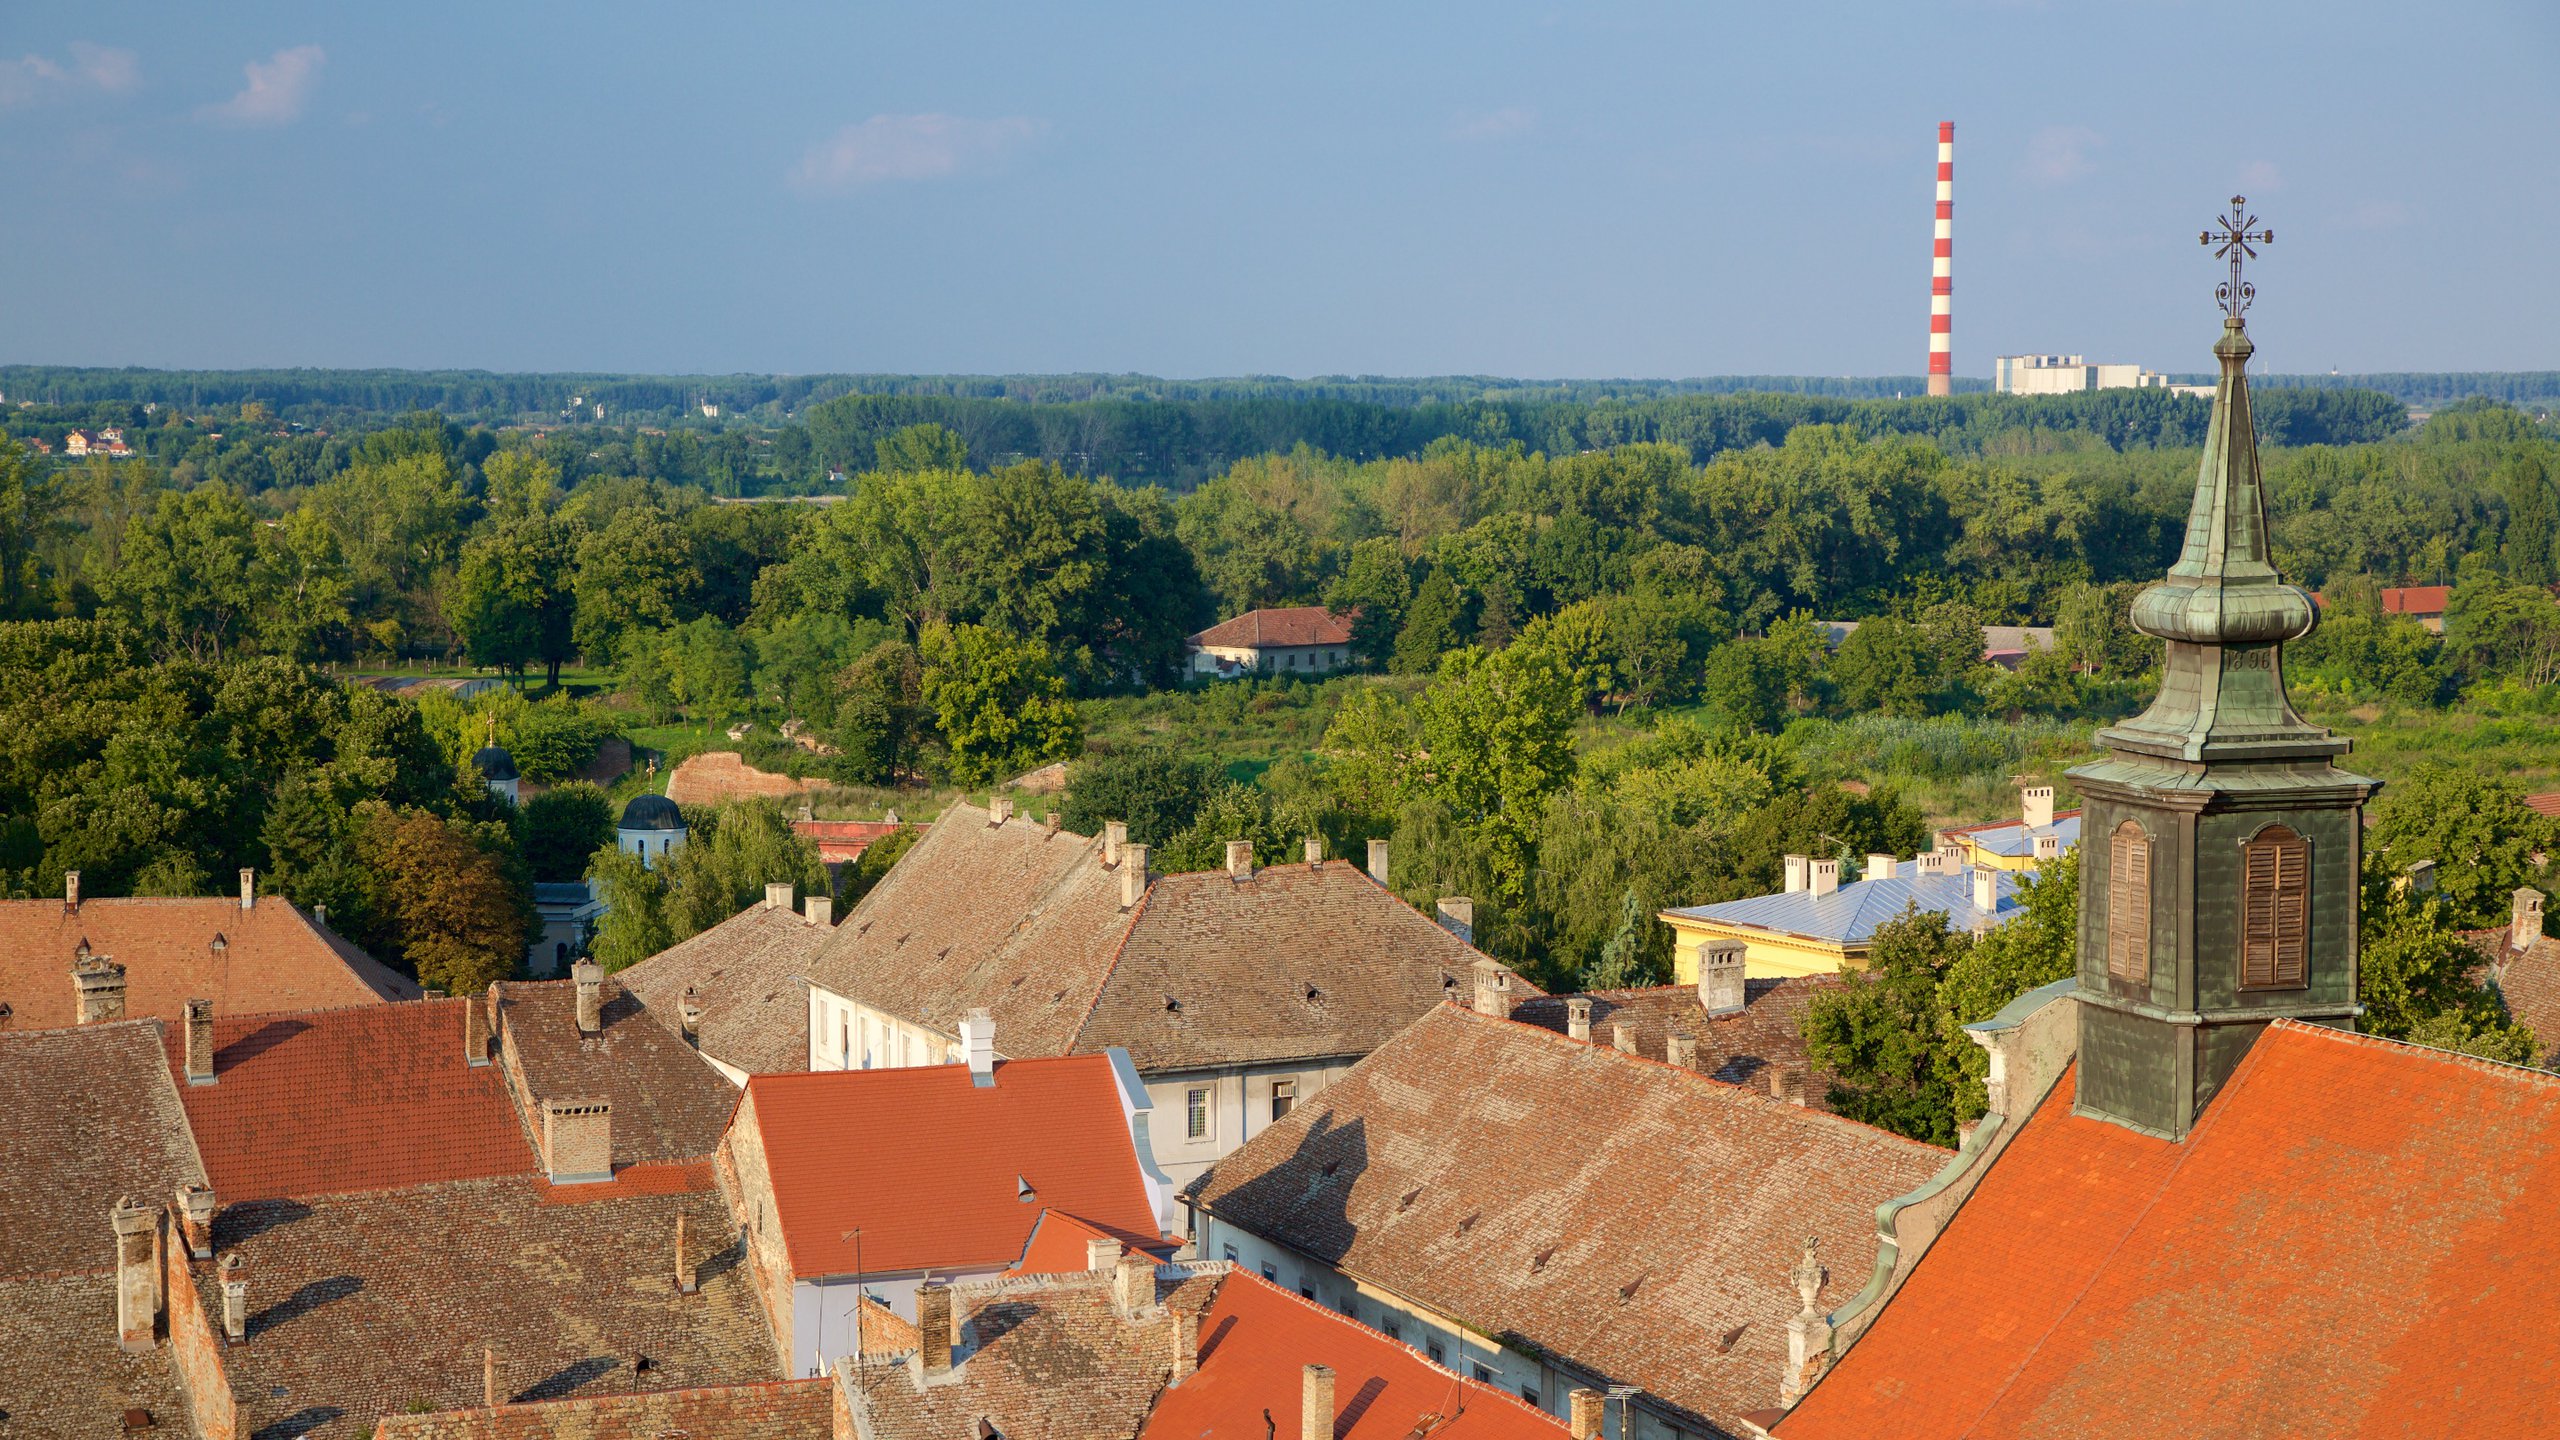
(2238, 242)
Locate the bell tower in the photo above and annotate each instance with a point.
(2220, 843)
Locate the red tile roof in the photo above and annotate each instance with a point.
(2348, 1244)
(2416, 600)
(273, 958)
(2545, 804)
(1268, 629)
(930, 1166)
(1059, 1245)
(330, 1101)
(1256, 1342)
(842, 840)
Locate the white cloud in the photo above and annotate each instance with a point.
(909, 147)
(31, 78)
(277, 88)
(1499, 124)
(2058, 154)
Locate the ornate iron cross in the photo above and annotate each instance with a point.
(2238, 242)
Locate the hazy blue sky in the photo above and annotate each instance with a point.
(1217, 189)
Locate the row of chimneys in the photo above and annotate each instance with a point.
(142, 1286)
(819, 910)
(248, 889)
(1806, 875)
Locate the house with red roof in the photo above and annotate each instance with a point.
(870, 1183)
(1288, 640)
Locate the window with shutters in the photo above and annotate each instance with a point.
(2129, 904)
(2275, 911)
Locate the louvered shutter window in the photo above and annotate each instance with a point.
(2275, 911)
(2129, 904)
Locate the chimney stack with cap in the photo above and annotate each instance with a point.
(195, 1218)
(98, 982)
(1721, 988)
(1786, 1082)
(2039, 806)
(1100, 1255)
(1681, 1050)
(1133, 1283)
(819, 910)
(1378, 861)
(577, 1139)
(1115, 835)
(1239, 859)
(475, 1031)
(1799, 874)
(199, 1042)
(1133, 876)
(590, 979)
(1458, 917)
(1315, 1406)
(1186, 1344)
(1986, 890)
(488, 1377)
(1590, 1413)
(248, 888)
(1493, 988)
(933, 1327)
(689, 1016)
(1315, 850)
(1822, 877)
(2048, 847)
(1577, 1018)
(777, 895)
(1878, 867)
(235, 1298)
(999, 809)
(137, 1229)
(71, 889)
(1929, 862)
(2524, 919)
(688, 1275)
(978, 1043)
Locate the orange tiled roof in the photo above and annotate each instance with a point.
(2416, 599)
(2348, 1244)
(1257, 1342)
(330, 1101)
(273, 958)
(928, 1164)
(1285, 626)
(1058, 1245)
(775, 1410)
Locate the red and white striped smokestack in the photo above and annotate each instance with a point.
(1942, 375)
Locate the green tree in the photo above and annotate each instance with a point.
(1156, 791)
(635, 924)
(2479, 832)
(1498, 726)
(27, 505)
(917, 448)
(191, 578)
(879, 713)
(519, 485)
(634, 575)
(998, 702)
(308, 589)
(1430, 626)
(513, 600)
(1375, 589)
(564, 827)
(1886, 666)
(1879, 1031)
(875, 862)
(709, 673)
(728, 858)
(2415, 974)
(2533, 520)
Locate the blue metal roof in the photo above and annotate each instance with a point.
(1852, 913)
(2018, 840)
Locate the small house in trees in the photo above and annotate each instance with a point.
(1294, 640)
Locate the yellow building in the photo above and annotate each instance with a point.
(2023, 844)
(1818, 926)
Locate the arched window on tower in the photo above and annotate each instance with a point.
(2275, 910)
(2129, 904)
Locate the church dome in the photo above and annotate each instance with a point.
(652, 812)
(494, 763)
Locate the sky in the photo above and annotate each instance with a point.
(1421, 188)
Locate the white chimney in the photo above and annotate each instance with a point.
(819, 910)
(1879, 867)
(1623, 1037)
(2524, 919)
(2039, 806)
(1799, 875)
(235, 1298)
(999, 809)
(248, 888)
(978, 1042)
(1929, 862)
(1458, 916)
(1133, 877)
(1115, 833)
(1378, 861)
(1953, 856)
(137, 1228)
(777, 895)
(589, 977)
(71, 889)
(1986, 890)
(1100, 1255)
(1721, 968)
(1681, 1051)
(1315, 850)
(1239, 859)
(1577, 1017)
(1493, 988)
(1824, 877)
(2048, 847)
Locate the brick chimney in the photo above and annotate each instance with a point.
(1186, 1344)
(1493, 988)
(2039, 806)
(2524, 919)
(689, 1016)
(819, 910)
(70, 889)
(199, 1042)
(1239, 859)
(1878, 867)
(688, 1274)
(235, 1298)
(248, 888)
(1133, 876)
(1590, 1413)
(475, 1032)
(98, 982)
(137, 1274)
(590, 980)
(1115, 834)
(1822, 877)
(488, 1377)
(1315, 1404)
(1623, 1038)
(1799, 874)
(195, 1219)
(933, 1327)
(1315, 850)
(1378, 861)
(577, 1139)
(999, 809)
(1721, 967)
(1577, 1018)
(777, 895)
(978, 1043)
(1133, 1283)
(1681, 1050)
(1786, 1082)
(1458, 916)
